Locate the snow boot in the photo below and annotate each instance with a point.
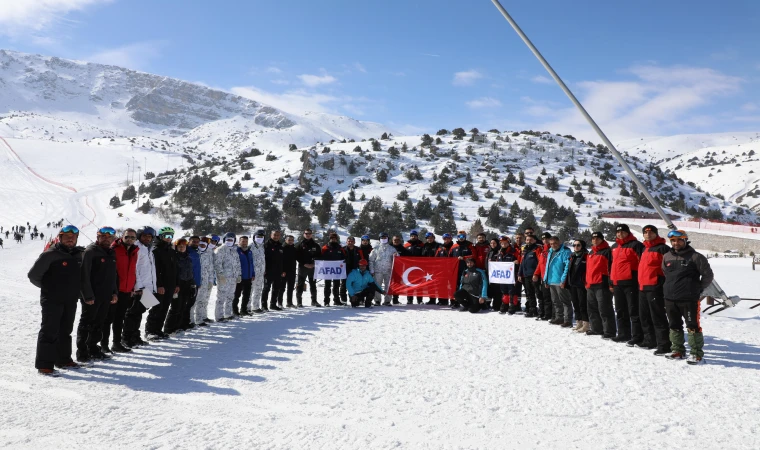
(578, 325)
(647, 345)
(48, 372)
(661, 352)
(118, 348)
(69, 365)
(633, 342)
(675, 356)
(567, 324)
(621, 339)
(430, 302)
(694, 360)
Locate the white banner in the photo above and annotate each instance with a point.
(501, 272)
(329, 270)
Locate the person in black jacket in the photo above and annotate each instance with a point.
(289, 268)
(307, 250)
(57, 273)
(274, 274)
(365, 246)
(529, 269)
(186, 288)
(353, 255)
(430, 250)
(402, 250)
(413, 247)
(333, 251)
(494, 292)
(576, 281)
(99, 291)
(167, 284)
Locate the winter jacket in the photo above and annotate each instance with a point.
(474, 281)
(167, 273)
(353, 256)
(227, 263)
(687, 274)
(401, 250)
(307, 250)
(598, 265)
(274, 256)
(557, 265)
(333, 252)
(358, 281)
(625, 261)
(650, 266)
(430, 249)
(481, 254)
(99, 277)
(414, 247)
(507, 254)
(493, 254)
(444, 251)
(126, 264)
(289, 259)
(146, 268)
(185, 268)
(531, 257)
(195, 257)
(366, 250)
(57, 272)
(381, 258)
(576, 274)
(542, 260)
(260, 259)
(208, 274)
(247, 270)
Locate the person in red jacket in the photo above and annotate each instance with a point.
(626, 253)
(444, 251)
(125, 252)
(545, 305)
(480, 251)
(654, 320)
(601, 316)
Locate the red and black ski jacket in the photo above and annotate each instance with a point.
(353, 256)
(126, 265)
(598, 265)
(430, 249)
(444, 251)
(625, 261)
(651, 275)
(481, 254)
(333, 252)
(413, 247)
(542, 261)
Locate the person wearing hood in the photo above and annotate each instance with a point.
(462, 250)
(260, 267)
(274, 271)
(247, 274)
(57, 273)
(167, 282)
(307, 250)
(413, 247)
(654, 319)
(555, 277)
(193, 250)
(576, 280)
(199, 311)
(365, 245)
(361, 286)
(99, 291)
(333, 251)
(398, 244)
(626, 253)
(145, 278)
(380, 267)
(444, 251)
(601, 315)
(126, 254)
(528, 274)
(289, 265)
(687, 274)
(187, 288)
(228, 275)
(353, 256)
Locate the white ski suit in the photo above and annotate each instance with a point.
(145, 271)
(259, 267)
(228, 272)
(199, 311)
(380, 266)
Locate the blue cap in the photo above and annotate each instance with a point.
(429, 234)
(414, 233)
(215, 237)
(365, 237)
(147, 230)
(446, 235)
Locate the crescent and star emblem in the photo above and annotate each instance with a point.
(405, 277)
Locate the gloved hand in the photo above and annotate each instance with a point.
(239, 279)
(222, 279)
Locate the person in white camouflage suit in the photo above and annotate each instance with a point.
(199, 311)
(380, 266)
(227, 277)
(259, 268)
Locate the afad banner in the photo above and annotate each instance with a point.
(500, 272)
(424, 277)
(329, 270)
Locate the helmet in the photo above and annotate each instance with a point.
(365, 237)
(146, 230)
(166, 230)
(259, 233)
(206, 239)
(180, 241)
(215, 237)
(414, 233)
(229, 235)
(446, 235)
(678, 234)
(362, 262)
(383, 234)
(429, 234)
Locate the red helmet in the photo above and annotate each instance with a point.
(362, 262)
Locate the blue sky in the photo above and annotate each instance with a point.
(641, 68)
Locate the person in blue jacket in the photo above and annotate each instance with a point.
(195, 257)
(555, 277)
(361, 286)
(473, 288)
(246, 278)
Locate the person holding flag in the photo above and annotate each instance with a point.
(444, 251)
(430, 250)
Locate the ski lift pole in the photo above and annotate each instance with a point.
(714, 290)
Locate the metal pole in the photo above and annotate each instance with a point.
(714, 290)
(583, 111)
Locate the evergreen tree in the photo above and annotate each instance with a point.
(352, 195)
(129, 193)
(552, 184)
(477, 227)
(376, 147)
(578, 198)
(529, 222)
(115, 202)
(521, 178)
(426, 140)
(493, 219)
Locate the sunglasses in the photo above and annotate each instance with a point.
(107, 230)
(70, 229)
(167, 236)
(676, 234)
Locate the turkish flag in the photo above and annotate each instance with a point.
(424, 277)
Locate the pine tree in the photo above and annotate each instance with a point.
(552, 184)
(521, 178)
(578, 198)
(115, 202)
(529, 222)
(476, 228)
(352, 195)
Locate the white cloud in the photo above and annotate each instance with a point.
(542, 79)
(750, 107)
(280, 82)
(360, 68)
(466, 78)
(133, 56)
(296, 101)
(317, 80)
(484, 102)
(273, 69)
(31, 17)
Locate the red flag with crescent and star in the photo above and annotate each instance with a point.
(424, 277)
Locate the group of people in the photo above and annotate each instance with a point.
(656, 288)
(19, 231)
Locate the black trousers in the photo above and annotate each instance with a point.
(469, 301)
(627, 312)
(580, 306)
(177, 306)
(271, 284)
(289, 283)
(133, 318)
(90, 328)
(303, 275)
(157, 314)
(334, 287)
(530, 296)
(683, 313)
(654, 319)
(115, 318)
(188, 304)
(545, 305)
(54, 338)
(364, 297)
(244, 287)
(600, 312)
